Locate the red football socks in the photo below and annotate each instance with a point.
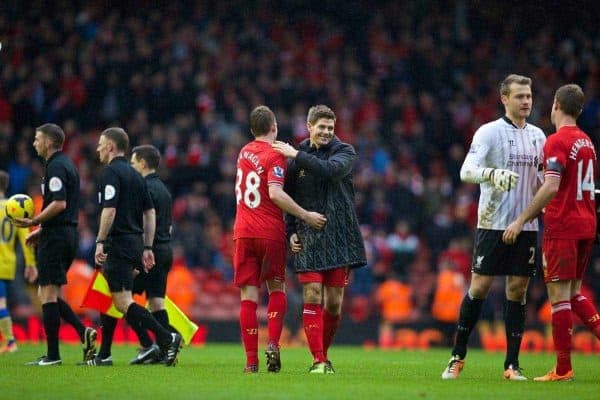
(275, 315)
(330, 326)
(586, 311)
(249, 331)
(562, 332)
(313, 328)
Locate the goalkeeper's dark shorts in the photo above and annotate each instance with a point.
(492, 256)
(56, 251)
(154, 282)
(124, 254)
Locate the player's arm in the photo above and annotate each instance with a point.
(28, 254)
(53, 209)
(336, 167)
(474, 169)
(57, 177)
(107, 217)
(287, 204)
(149, 218)
(543, 196)
(109, 198)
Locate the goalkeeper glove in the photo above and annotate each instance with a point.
(501, 179)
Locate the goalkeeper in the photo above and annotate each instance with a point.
(504, 159)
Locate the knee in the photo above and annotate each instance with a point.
(312, 294)
(516, 291)
(333, 305)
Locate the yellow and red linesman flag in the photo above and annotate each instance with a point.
(98, 298)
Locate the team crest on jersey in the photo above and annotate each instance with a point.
(278, 172)
(301, 174)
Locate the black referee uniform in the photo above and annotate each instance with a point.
(155, 281)
(59, 238)
(123, 188)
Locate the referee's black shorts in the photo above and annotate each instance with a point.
(124, 253)
(491, 256)
(56, 251)
(154, 282)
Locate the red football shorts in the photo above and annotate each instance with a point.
(337, 277)
(258, 260)
(565, 259)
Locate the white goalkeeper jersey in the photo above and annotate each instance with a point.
(501, 144)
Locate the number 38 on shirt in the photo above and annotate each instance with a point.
(250, 194)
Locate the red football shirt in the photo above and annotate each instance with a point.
(258, 166)
(570, 155)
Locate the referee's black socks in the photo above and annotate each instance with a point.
(51, 317)
(67, 313)
(137, 314)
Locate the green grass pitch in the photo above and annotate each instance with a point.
(214, 372)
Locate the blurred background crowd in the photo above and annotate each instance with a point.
(410, 82)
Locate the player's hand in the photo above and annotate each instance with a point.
(31, 273)
(33, 238)
(501, 179)
(284, 148)
(100, 256)
(315, 219)
(148, 260)
(512, 232)
(295, 244)
(22, 222)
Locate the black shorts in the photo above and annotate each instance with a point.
(124, 253)
(56, 251)
(492, 256)
(154, 283)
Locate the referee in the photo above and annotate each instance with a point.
(145, 160)
(57, 241)
(124, 242)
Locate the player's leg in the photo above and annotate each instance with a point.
(10, 345)
(273, 270)
(247, 277)
(68, 249)
(470, 309)
(560, 261)
(147, 347)
(562, 327)
(48, 295)
(520, 268)
(312, 317)
(514, 323)
(249, 325)
(276, 309)
(333, 296)
(136, 314)
(580, 304)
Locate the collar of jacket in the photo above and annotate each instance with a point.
(305, 145)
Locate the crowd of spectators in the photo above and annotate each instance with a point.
(409, 81)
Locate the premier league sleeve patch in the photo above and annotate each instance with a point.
(109, 192)
(278, 172)
(55, 184)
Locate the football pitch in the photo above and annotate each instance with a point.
(214, 372)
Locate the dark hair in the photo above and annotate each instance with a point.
(261, 120)
(4, 177)
(119, 137)
(317, 112)
(54, 133)
(513, 78)
(148, 153)
(570, 97)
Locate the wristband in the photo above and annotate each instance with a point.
(147, 247)
(100, 241)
